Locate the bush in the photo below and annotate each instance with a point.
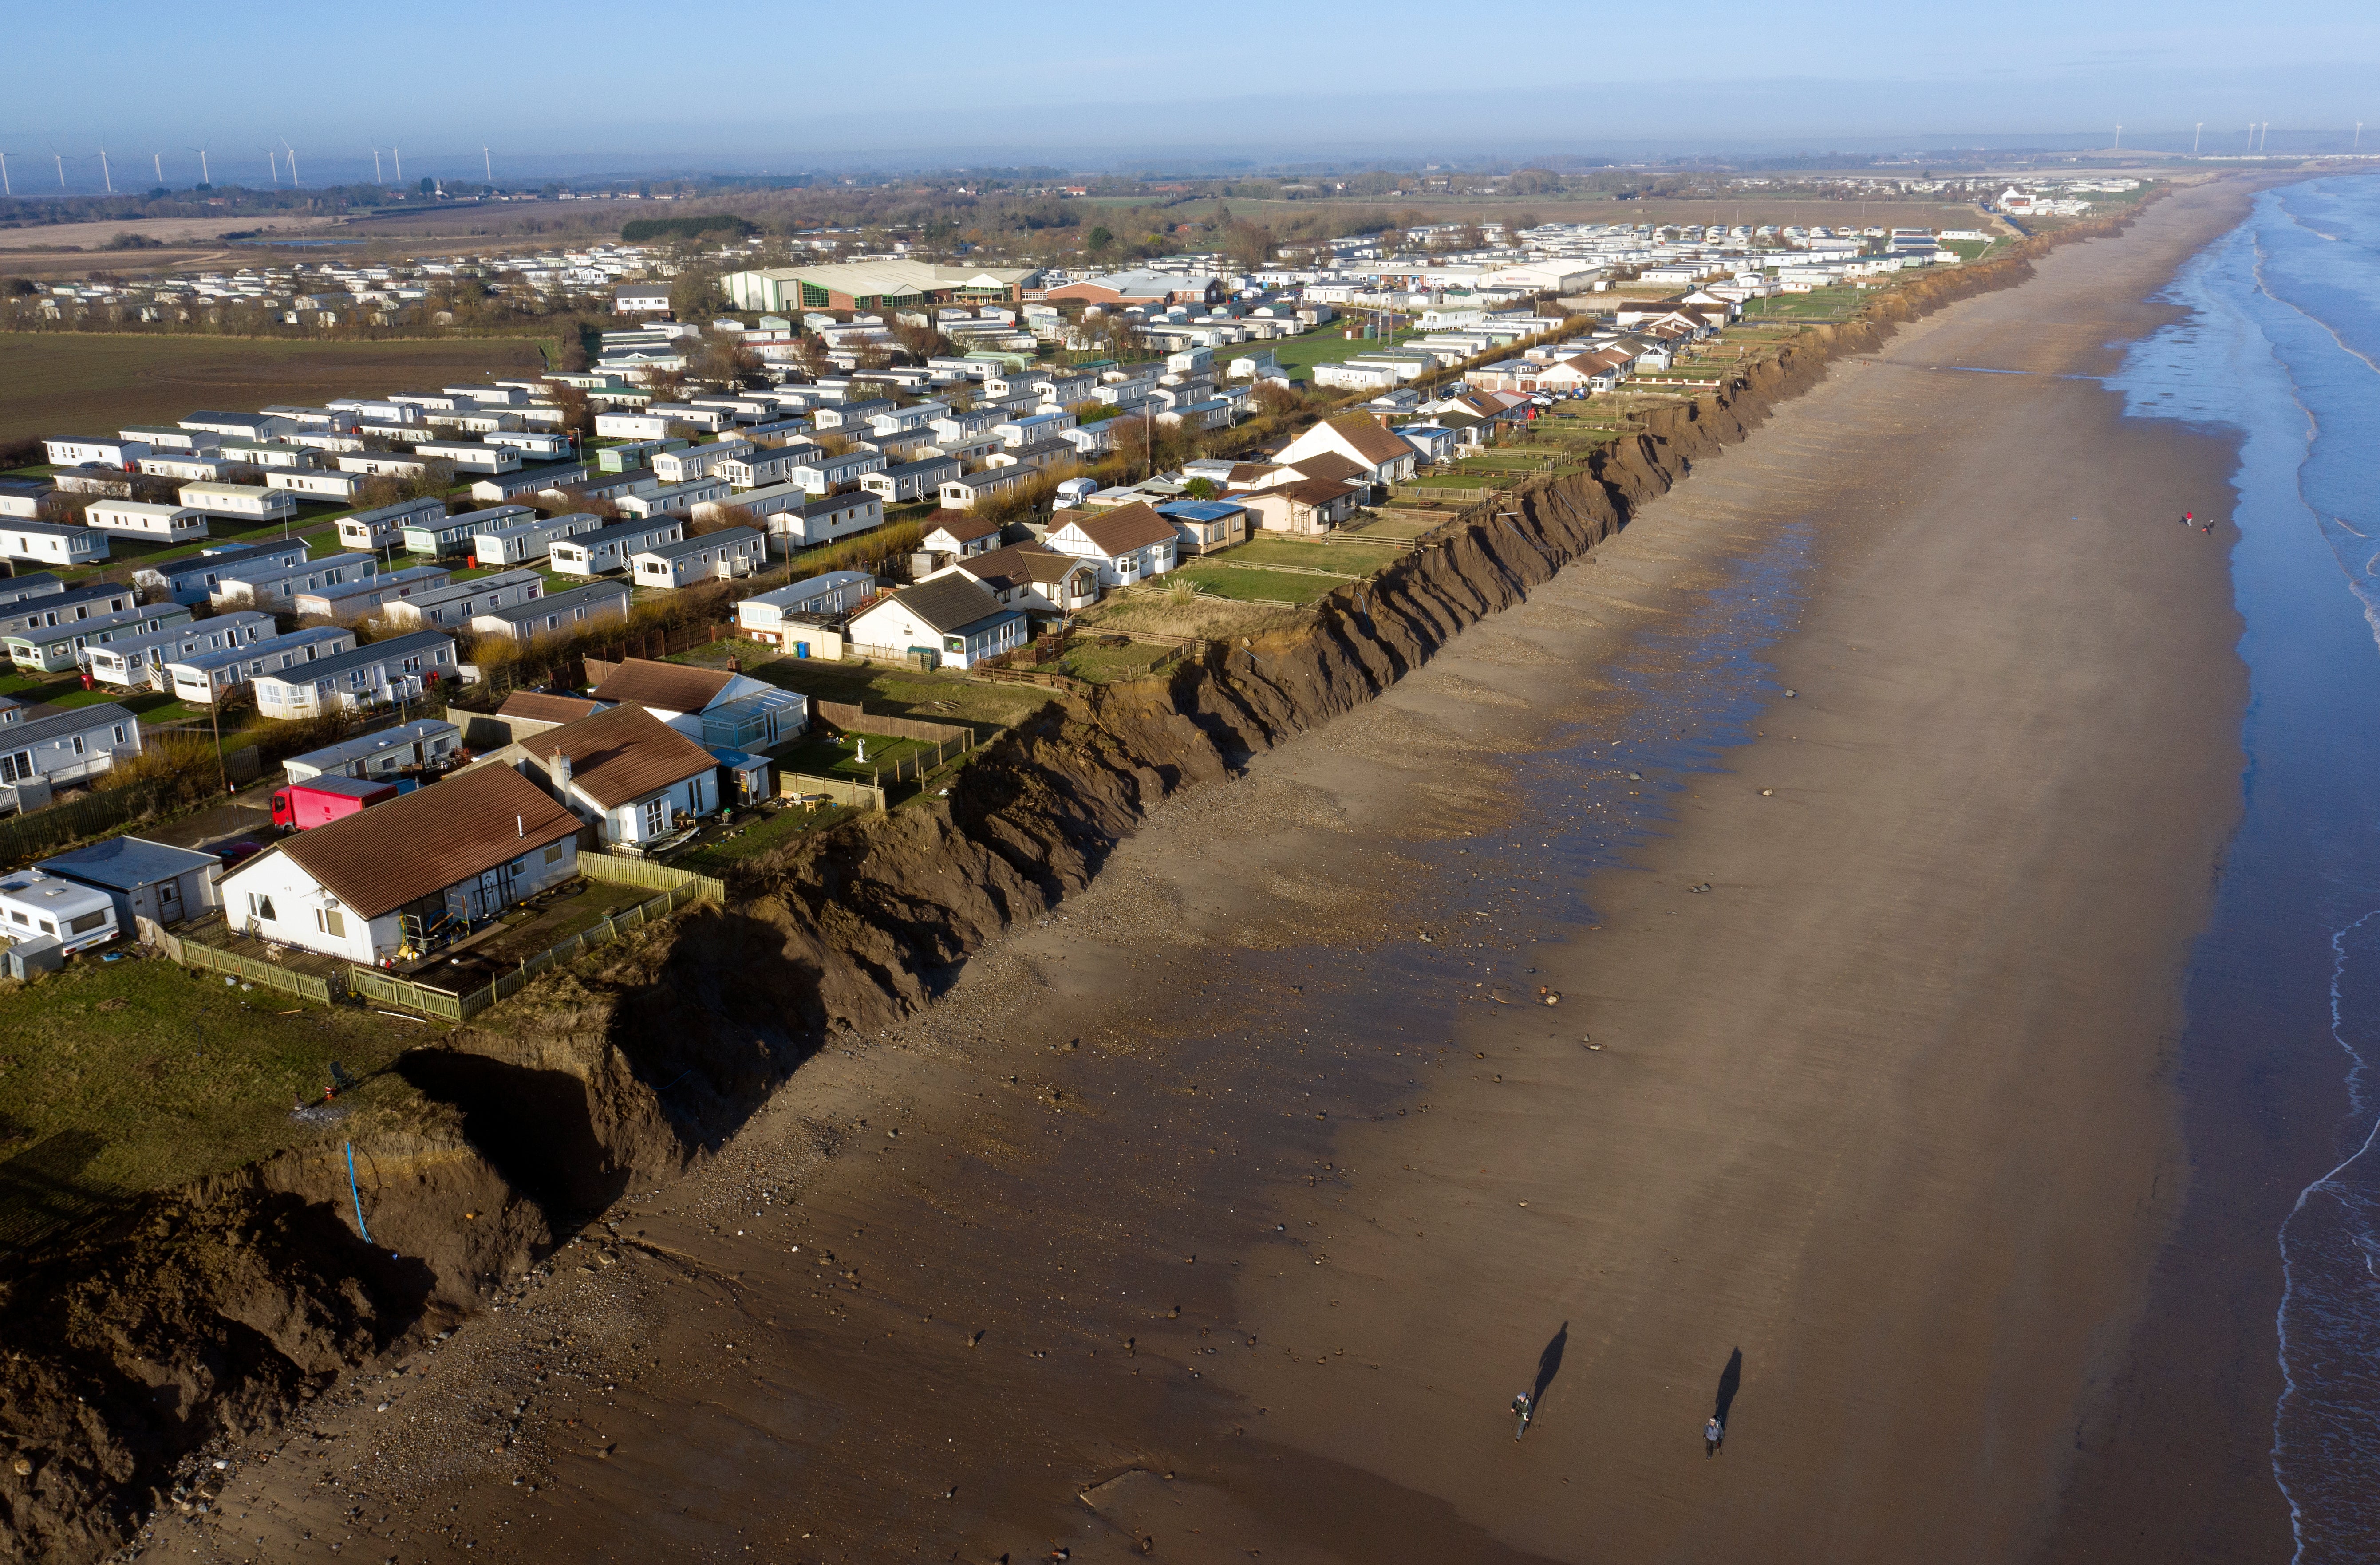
(639, 229)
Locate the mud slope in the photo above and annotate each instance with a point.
(206, 1317)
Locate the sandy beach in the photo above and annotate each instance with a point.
(1224, 1212)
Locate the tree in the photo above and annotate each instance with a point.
(694, 295)
(1099, 241)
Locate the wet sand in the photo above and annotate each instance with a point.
(1264, 1204)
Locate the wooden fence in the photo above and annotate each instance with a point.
(842, 790)
(208, 959)
(619, 869)
(848, 717)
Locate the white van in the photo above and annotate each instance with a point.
(33, 905)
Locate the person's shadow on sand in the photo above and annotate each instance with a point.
(1549, 1365)
(1730, 1380)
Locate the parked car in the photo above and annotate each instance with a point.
(235, 852)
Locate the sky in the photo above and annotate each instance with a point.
(607, 86)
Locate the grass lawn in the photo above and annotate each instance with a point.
(52, 382)
(125, 1076)
(1102, 664)
(821, 755)
(1822, 303)
(1163, 614)
(901, 692)
(1325, 345)
(722, 854)
(1343, 559)
(1279, 587)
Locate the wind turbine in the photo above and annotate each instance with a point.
(105, 177)
(398, 153)
(490, 166)
(6, 188)
(375, 165)
(2120, 140)
(60, 161)
(2195, 132)
(272, 162)
(293, 161)
(158, 159)
(204, 177)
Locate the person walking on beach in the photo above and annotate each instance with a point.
(2188, 518)
(1713, 1435)
(1523, 1406)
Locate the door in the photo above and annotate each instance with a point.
(169, 901)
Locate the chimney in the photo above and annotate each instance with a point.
(558, 765)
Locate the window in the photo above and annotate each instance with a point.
(119, 734)
(332, 922)
(85, 924)
(19, 917)
(260, 905)
(77, 742)
(16, 768)
(656, 816)
(48, 927)
(554, 853)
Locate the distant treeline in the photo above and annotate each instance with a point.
(641, 229)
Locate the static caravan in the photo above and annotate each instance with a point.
(146, 520)
(731, 551)
(440, 537)
(458, 602)
(241, 425)
(557, 613)
(382, 524)
(163, 439)
(239, 502)
(520, 542)
(35, 610)
(23, 497)
(367, 595)
(268, 454)
(317, 484)
(471, 455)
(911, 480)
(595, 554)
(674, 500)
(383, 464)
(33, 904)
(54, 649)
(396, 669)
(139, 662)
(533, 442)
(200, 677)
(79, 742)
(409, 746)
(194, 580)
(52, 544)
(94, 451)
(776, 618)
(186, 466)
(277, 586)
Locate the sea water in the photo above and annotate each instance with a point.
(2282, 344)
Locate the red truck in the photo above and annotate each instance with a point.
(318, 799)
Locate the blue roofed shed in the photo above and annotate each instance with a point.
(145, 879)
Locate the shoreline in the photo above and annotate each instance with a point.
(1453, 715)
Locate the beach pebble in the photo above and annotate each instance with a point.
(1765, 792)
(1790, 693)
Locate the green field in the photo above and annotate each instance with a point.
(901, 692)
(78, 383)
(140, 1074)
(1326, 345)
(1259, 585)
(1342, 559)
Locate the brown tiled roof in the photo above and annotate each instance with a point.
(1314, 492)
(538, 707)
(1249, 472)
(672, 688)
(381, 858)
(620, 756)
(1019, 563)
(1372, 443)
(1332, 468)
(964, 526)
(1125, 528)
(948, 603)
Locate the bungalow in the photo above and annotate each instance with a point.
(823, 520)
(556, 613)
(277, 586)
(625, 771)
(77, 742)
(52, 544)
(193, 581)
(970, 489)
(1309, 505)
(641, 298)
(440, 535)
(240, 502)
(375, 528)
(367, 595)
(139, 662)
(316, 483)
(610, 549)
(949, 620)
(144, 880)
(785, 618)
(710, 705)
(412, 875)
(911, 480)
(958, 533)
(1200, 526)
(471, 455)
(456, 602)
(731, 551)
(519, 541)
(199, 678)
(1131, 543)
(146, 520)
(673, 500)
(410, 747)
(1028, 576)
(1384, 456)
(822, 473)
(395, 670)
(1431, 443)
(94, 451)
(47, 650)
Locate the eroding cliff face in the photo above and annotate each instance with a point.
(210, 1313)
